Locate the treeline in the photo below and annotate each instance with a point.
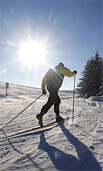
(91, 81)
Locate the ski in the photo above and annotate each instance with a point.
(39, 128)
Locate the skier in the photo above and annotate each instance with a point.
(53, 80)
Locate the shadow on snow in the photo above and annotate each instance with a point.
(68, 162)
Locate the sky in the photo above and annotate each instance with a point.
(71, 32)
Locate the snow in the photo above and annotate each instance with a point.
(62, 146)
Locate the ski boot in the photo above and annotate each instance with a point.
(59, 118)
(40, 121)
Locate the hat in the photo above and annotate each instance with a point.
(61, 64)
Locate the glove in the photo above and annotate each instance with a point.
(44, 92)
(75, 72)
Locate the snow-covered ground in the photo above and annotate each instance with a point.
(62, 146)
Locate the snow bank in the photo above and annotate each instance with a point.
(95, 101)
(97, 98)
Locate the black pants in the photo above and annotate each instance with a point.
(52, 100)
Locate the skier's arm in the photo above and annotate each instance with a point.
(65, 71)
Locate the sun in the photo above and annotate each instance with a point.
(32, 53)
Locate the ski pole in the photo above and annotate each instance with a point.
(20, 112)
(73, 100)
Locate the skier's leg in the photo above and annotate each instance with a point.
(44, 110)
(48, 105)
(56, 104)
(56, 107)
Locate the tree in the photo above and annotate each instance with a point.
(101, 87)
(92, 77)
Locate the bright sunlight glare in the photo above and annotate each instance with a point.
(32, 53)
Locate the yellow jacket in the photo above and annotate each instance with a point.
(65, 71)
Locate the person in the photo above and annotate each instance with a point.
(53, 80)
